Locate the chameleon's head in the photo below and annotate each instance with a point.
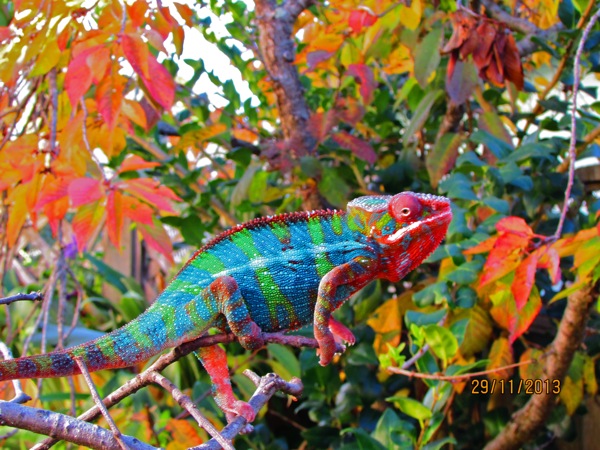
(408, 226)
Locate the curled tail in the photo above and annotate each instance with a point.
(160, 327)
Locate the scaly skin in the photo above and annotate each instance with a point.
(271, 274)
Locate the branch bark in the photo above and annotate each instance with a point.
(275, 23)
(526, 422)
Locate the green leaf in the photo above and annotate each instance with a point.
(442, 342)
(497, 146)
(465, 274)
(393, 432)
(362, 440)
(420, 318)
(411, 407)
(286, 357)
(421, 114)
(427, 56)
(240, 191)
(334, 188)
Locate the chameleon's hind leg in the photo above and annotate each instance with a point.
(223, 297)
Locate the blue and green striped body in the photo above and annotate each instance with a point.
(277, 262)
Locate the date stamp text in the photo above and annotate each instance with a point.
(528, 386)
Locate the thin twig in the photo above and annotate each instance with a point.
(573, 141)
(32, 296)
(113, 427)
(456, 378)
(186, 403)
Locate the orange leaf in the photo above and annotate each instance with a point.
(482, 247)
(157, 238)
(85, 221)
(114, 217)
(365, 78)
(550, 260)
(54, 189)
(137, 12)
(55, 212)
(360, 148)
(515, 225)
(137, 210)
(134, 112)
(17, 213)
(85, 190)
(135, 162)
(500, 356)
(183, 433)
(524, 279)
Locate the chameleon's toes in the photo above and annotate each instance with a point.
(244, 409)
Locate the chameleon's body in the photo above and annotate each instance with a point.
(271, 274)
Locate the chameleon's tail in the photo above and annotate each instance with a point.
(156, 329)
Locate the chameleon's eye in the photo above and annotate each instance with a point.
(406, 207)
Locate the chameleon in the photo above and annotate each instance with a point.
(271, 274)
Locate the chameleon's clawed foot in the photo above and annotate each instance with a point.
(326, 348)
(241, 408)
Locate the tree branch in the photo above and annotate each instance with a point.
(526, 422)
(275, 23)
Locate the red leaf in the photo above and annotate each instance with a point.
(85, 190)
(522, 320)
(349, 110)
(5, 33)
(160, 85)
(54, 189)
(135, 162)
(109, 95)
(78, 78)
(514, 225)
(365, 78)
(550, 260)
(360, 148)
(503, 258)
(137, 53)
(150, 191)
(320, 124)
(524, 279)
(360, 18)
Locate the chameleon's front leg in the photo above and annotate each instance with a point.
(223, 297)
(335, 288)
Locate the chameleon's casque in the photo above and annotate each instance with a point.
(270, 274)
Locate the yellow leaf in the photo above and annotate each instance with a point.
(47, 59)
(478, 333)
(387, 321)
(500, 355)
(411, 17)
(193, 137)
(571, 394)
(589, 376)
